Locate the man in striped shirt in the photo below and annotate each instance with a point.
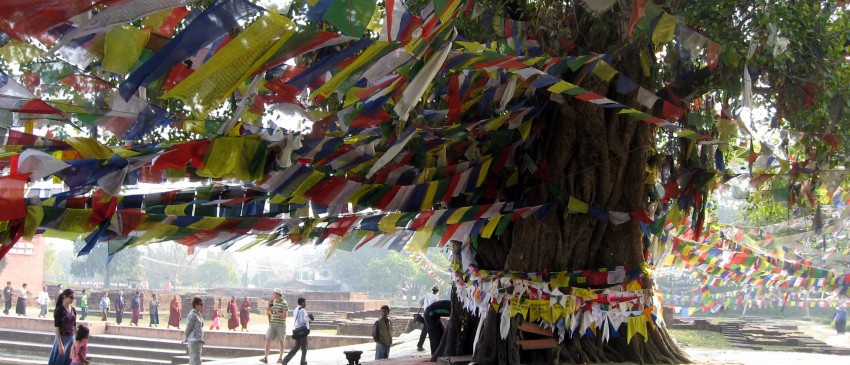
(277, 324)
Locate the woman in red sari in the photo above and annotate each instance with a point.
(233, 309)
(174, 314)
(245, 314)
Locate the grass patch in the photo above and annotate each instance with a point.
(700, 338)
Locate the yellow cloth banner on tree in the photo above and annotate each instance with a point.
(482, 175)
(122, 47)
(430, 193)
(664, 30)
(208, 86)
(637, 324)
(487, 232)
(538, 309)
(604, 71)
(90, 148)
(457, 215)
(576, 205)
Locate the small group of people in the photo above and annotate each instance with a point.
(70, 345)
(277, 312)
(239, 314)
(21, 305)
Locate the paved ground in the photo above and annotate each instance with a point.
(404, 352)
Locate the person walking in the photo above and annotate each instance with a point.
(245, 314)
(174, 313)
(840, 318)
(382, 333)
(426, 300)
(65, 324)
(136, 306)
(84, 304)
(214, 322)
(233, 311)
(43, 300)
(80, 349)
(153, 311)
(433, 313)
(21, 306)
(119, 307)
(195, 331)
(277, 324)
(7, 297)
(59, 289)
(104, 306)
(301, 329)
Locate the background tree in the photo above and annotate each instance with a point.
(124, 266)
(215, 274)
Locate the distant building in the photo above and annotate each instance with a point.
(312, 285)
(25, 264)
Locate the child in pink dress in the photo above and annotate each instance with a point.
(79, 350)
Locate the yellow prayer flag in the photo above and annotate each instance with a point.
(19, 52)
(207, 223)
(419, 243)
(176, 209)
(388, 222)
(525, 130)
(457, 215)
(205, 89)
(428, 201)
(637, 324)
(364, 59)
(314, 178)
(90, 148)
(487, 232)
(575, 205)
(513, 179)
(35, 214)
(664, 30)
(122, 47)
(75, 220)
(604, 71)
(561, 86)
(156, 233)
(482, 174)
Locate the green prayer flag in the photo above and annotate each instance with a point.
(350, 16)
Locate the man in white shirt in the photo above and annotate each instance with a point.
(43, 300)
(426, 300)
(302, 322)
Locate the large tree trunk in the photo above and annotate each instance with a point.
(599, 157)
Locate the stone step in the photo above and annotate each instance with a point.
(25, 350)
(121, 345)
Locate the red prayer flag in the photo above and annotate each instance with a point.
(12, 203)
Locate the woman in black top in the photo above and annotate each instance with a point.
(65, 321)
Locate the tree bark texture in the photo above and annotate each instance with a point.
(598, 157)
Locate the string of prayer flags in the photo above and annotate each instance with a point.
(214, 22)
(220, 76)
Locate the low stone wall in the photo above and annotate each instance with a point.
(363, 327)
(46, 325)
(212, 338)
